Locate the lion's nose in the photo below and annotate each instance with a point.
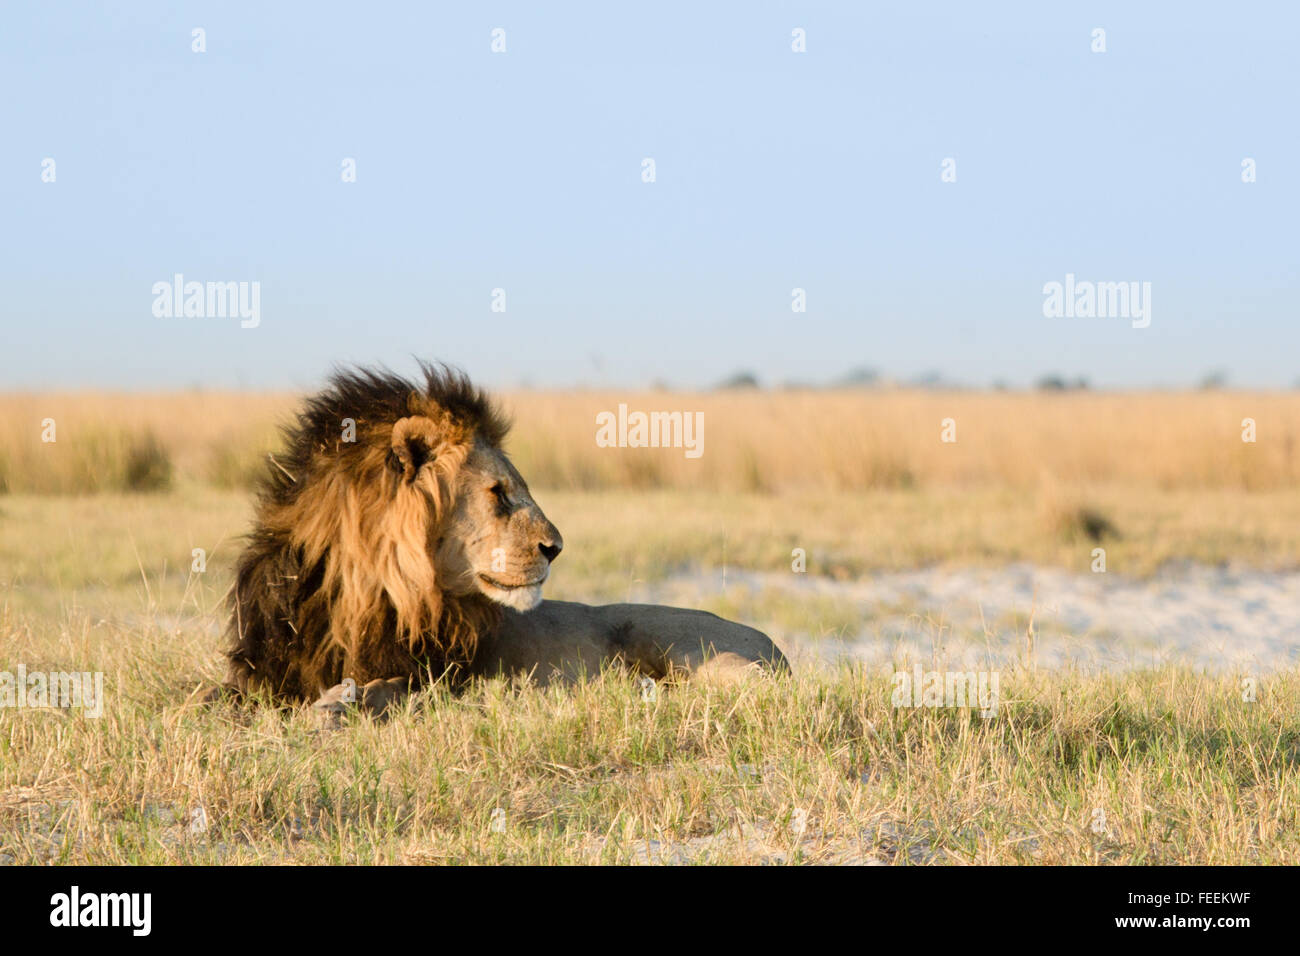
(551, 550)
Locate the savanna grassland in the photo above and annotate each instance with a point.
(98, 531)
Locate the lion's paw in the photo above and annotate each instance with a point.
(375, 697)
(337, 699)
(379, 695)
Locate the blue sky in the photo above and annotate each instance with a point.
(774, 170)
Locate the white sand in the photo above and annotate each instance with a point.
(1212, 618)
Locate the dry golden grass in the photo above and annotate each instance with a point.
(860, 478)
(207, 436)
(1158, 767)
(753, 441)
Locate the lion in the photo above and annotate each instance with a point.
(395, 545)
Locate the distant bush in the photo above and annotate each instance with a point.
(861, 377)
(740, 380)
(1079, 522)
(148, 466)
(1055, 383)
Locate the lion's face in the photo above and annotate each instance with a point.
(495, 540)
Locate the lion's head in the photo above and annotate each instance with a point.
(493, 539)
(394, 522)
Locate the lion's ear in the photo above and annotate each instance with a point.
(415, 440)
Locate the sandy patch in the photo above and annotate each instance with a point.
(1212, 618)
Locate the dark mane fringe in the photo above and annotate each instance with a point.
(283, 599)
(373, 396)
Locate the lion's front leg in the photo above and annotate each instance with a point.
(677, 642)
(560, 637)
(374, 697)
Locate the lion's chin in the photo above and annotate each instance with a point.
(519, 598)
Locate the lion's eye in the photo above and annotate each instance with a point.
(500, 491)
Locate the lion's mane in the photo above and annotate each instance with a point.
(336, 580)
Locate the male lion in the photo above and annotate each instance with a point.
(395, 543)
